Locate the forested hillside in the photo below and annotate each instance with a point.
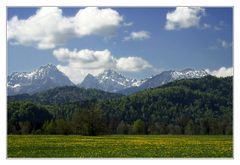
(65, 95)
(197, 106)
(194, 106)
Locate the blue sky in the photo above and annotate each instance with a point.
(137, 42)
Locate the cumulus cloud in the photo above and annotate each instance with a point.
(140, 35)
(184, 17)
(48, 28)
(221, 72)
(85, 59)
(132, 64)
(78, 63)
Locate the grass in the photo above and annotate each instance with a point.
(119, 146)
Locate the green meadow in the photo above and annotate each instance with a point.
(119, 146)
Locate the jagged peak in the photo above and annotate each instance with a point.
(110, 72)
(89, 76)
(47, 67)
(38, 72)
(42, 78)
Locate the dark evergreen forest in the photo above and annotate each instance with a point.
(193, 106)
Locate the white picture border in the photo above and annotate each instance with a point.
(121, 3)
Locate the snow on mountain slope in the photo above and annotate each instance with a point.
(164, 78)
(188, 73)
(43, 78)
(110, 81)
(49, 76)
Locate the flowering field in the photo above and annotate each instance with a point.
(121, 146)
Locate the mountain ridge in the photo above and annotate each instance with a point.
(42, 78)
(48, 76)
(164, 78)
(109, 80)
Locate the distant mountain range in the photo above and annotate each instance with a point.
(111, 81)
(48, 76)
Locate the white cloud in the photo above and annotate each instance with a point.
(132, 64)
(48, 28)
(127, 23)
(85, 59)
(217, 28)
(224, 44)
(77, 64)
(92, 20)
(221, 72)
(184, 17)
(220, 26)
(221, 44)
(77, 74)
(206, 26)
(140, 35)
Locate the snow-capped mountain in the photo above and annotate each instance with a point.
(40, 79)
(110, 81)
(169, 76)
(166, 77)
(188, 73)
(49, 76)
